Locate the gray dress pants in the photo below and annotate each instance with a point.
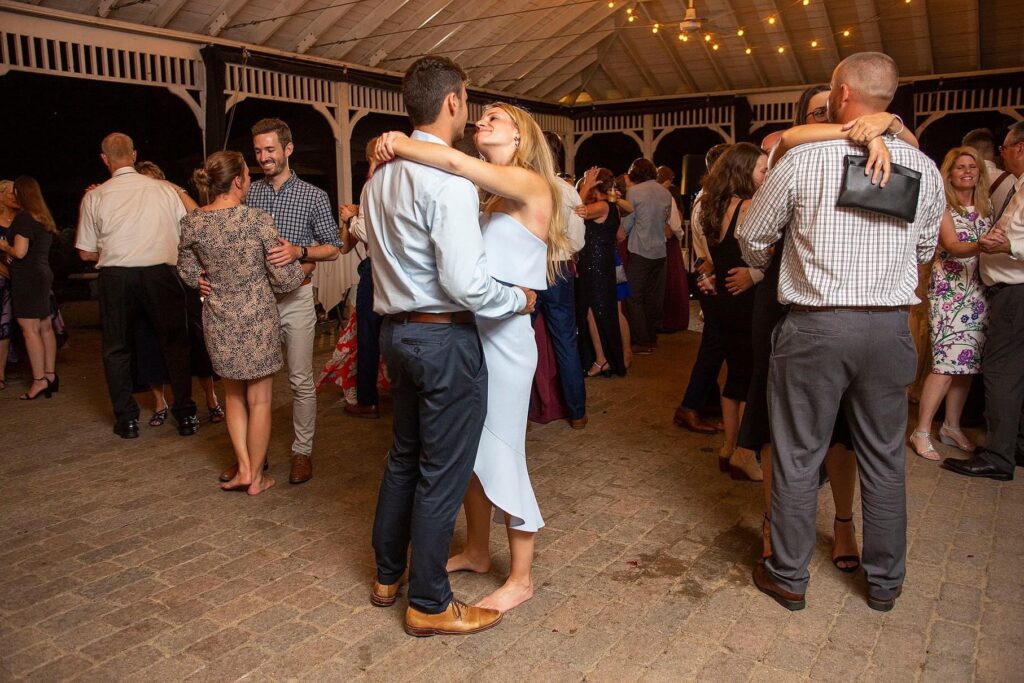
(822, 362)
(1003, 365)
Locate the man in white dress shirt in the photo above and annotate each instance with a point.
(129, 226)
(1002, 270)
(430, 277)
(850, 276)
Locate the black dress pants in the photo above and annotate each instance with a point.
(153, 292)
(439, 394)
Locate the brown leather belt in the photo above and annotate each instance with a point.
(850, 309)
(456, 318)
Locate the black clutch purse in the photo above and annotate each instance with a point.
(897, 199)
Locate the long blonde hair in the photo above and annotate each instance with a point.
(534, 154)
(982, 203)
(5, 186)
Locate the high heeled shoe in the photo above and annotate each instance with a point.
(954, 436)
(929, 452)
(54, 383)
(46, 391)
(853, 561)
(724, 454)
(603, 369)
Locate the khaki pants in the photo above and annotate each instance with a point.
(298, 328)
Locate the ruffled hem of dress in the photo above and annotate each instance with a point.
(501, 465)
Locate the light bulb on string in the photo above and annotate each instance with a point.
(632, 18)
(781, 49)
(846, 33)
(807, 2)
(707, 37)
(715, 46)
(771, 20)
(629, 10)
(611, 5)
(739, 32)
(814, 43)
(748, 51)
(683, 37)
(654, 29)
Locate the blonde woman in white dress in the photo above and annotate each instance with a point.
(522, 208)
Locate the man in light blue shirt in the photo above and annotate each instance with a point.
(645, 270)
(430, 279)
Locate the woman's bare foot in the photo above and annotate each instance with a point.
(512, 594)
(468, 561)
(260, 484)
(238, 483)
(845, 544)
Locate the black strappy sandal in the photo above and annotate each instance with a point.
(854, 559)
(159, 417)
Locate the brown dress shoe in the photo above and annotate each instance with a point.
(764, 583)
(884, 604)
(689, 419)
(459, 619)
(580, 423)
(366, 412)
(384, 596)
(302, 469)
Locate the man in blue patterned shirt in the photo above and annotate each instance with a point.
(304, 217)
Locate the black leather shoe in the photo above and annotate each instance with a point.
(976, 466)
(188, 425)
(884, 604)
(127, 430)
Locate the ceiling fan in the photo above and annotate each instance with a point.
(691, 23)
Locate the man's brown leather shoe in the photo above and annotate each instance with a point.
(689, 419)
(884, 604)
(366, 412)
(580, 423)
(384, 596)
(764, 583)
(302, 469)
(459, 619)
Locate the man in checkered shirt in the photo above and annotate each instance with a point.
(845, 345)
(304, 217)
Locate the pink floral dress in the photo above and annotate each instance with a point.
(959, 307)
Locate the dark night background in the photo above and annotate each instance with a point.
(57, 124)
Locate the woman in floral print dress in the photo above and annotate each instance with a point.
(228, 243)
(958, 305)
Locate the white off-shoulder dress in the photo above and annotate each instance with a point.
(515, 256)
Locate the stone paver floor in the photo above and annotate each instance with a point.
(122, 560)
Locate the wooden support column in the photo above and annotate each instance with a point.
(214, 100)
(647, 146)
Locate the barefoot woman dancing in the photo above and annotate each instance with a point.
(228, 243)
(519, 213)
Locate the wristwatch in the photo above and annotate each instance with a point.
(303, 254)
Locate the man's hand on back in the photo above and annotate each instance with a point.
(204, 285)
(531, 301)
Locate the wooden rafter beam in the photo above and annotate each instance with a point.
(619, 84)
(754, 62)
(318, 25)
(723, 78)
(791, 46)
(585, 32)
(870, 21)
(832, 44)
(222, 16)
(638, 63)
(583, 66)
(421, 13)
(553, 28)
(927, 24)
(673, 54)
(164, 12)
(262, 32)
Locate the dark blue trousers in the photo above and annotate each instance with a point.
(367, 338)
(558, 304)
(702, 390)
(439, 395)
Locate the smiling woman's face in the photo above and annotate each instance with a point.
(964, 174)
(495, 129)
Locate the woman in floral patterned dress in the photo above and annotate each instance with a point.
(958, 304)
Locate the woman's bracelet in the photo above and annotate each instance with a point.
(896, 117)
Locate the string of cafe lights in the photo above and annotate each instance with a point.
(714, 39)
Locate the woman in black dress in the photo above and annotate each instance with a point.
(28, 244)
(597, 314)
(727, 190)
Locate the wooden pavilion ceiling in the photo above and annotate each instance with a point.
(576, 51)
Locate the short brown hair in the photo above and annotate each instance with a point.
(148, 168)
(264, 126)
(217, 174)
(642, 170)
(427, 82)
